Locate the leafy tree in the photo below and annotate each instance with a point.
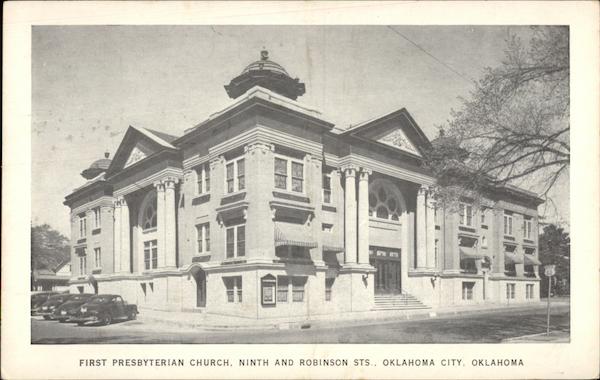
(555, 248)
(49, 248)
(515, 125)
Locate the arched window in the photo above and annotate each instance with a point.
(149, 214)
(384, 202)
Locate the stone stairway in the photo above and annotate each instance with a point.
(402, 301)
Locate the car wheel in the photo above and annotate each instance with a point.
(46, 317)
(132, 315)
(106, 319)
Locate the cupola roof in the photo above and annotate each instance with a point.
(97, 167)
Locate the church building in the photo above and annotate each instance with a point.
(266, 210)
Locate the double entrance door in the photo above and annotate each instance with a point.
(387, 263)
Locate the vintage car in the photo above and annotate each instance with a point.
(52, 303)
(71, 307)
(37, 299)
(103, 309)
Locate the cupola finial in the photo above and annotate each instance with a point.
(264, 54)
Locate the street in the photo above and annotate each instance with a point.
(490, 327)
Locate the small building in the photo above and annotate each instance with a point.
(266, 210)
(56, 279)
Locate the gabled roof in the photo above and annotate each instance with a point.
(153, 141)
(377, 127)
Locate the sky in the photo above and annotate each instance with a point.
(89, 83)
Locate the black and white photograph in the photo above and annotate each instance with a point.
(381, 185)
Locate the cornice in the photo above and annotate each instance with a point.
(387, 169)
(161, 175)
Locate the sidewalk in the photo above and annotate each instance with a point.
(214, 322)
(553, 337)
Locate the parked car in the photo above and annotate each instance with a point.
(52, 303)
(37, 299)
(70, 308)
(104, 309)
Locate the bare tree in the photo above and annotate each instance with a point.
(514, 128)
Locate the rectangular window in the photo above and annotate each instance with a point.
(527, 229)
(508, 225)
(326, 188)
(97, 258)
(298, 289)
(203, 238)
(82, 263)
(466, 214)
(82, 226)
(235, 241)
(529, 291)
(295, 182)
(233, 288)
(150, 254)
(203, 179)
(235, 176)
(482, 213)
(467, 290)
(510, 291)
(97, 218)
(328, 287)
(282, 288)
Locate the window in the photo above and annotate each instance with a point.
(328, 286)
(510, 291)
(235, 241)
(529, 291)
(233, 287)
(298, 289)
(82, 226)
(527, 224)
(83, 263)
(235, 176)
(282, 288)
(467, 290)
(97, 217)
(293, 182)
(466, 214)
(327, 227)
(203, 179)
(508, 224)
(150, 255)
(326, 188)
(203, 238)
(149, 215)
(482, 213)
(97, 258)
(484, 243)
(384, 204)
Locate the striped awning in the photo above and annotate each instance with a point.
(332, 248)
(288, 234)
(532, 260)
(470, 253)
(513, 258)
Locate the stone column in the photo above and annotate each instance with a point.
(125, 236)
(160, 222)
(170, 221)
(421, 229)
(350, 214)
(363, 216)
(497, 241)
(117, 237)
(430, 231)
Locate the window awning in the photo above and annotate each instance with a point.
(513, 258)
(288, 234)
(332, 248)
(470, 253)
(332, 272)
(532, 260)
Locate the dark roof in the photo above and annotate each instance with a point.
(165, 136)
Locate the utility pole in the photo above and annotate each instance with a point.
(549, 271)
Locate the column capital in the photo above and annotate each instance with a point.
(170, 182)
(159, 185)
(117, 202)
(365, 173)
(349, 170)
(216, 161)
(258, 147)
(423, 190)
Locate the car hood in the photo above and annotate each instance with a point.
(71, 305)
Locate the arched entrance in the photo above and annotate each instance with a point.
(387, 213)
(200, 280)
(147, 246)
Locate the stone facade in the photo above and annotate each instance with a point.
(265, 210)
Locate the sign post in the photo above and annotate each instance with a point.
(549, 271)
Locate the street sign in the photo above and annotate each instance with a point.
(549, 270)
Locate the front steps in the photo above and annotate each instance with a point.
(402, 301)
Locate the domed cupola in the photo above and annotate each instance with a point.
(267, 74)
(97, 167)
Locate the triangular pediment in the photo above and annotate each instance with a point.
(397, 138)
(137, 145)
(397, 130)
